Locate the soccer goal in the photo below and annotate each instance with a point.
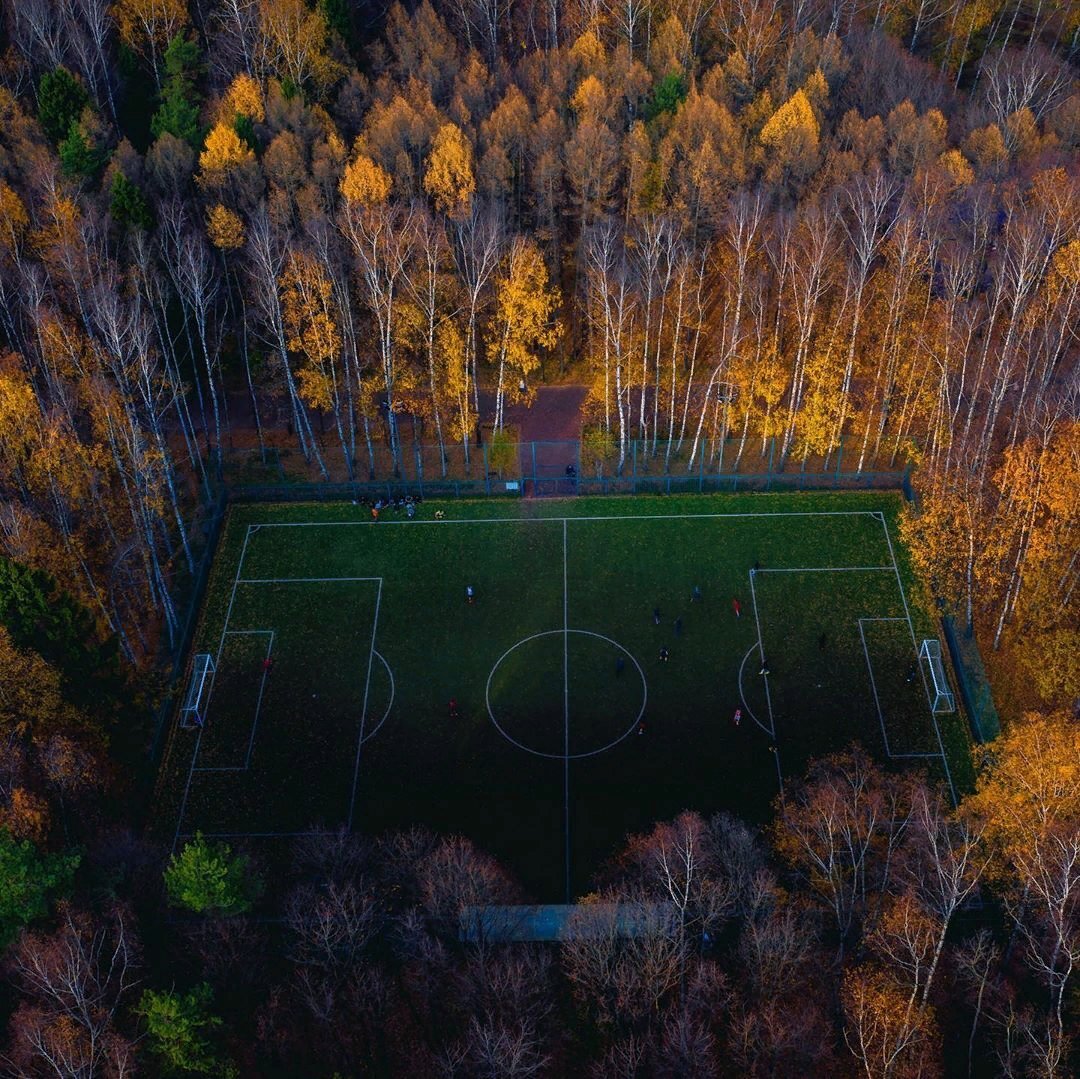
(930, 653)
(191, 715)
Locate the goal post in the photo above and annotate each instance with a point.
(930, 655)
(192, 714)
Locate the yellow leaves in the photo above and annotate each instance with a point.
(525, 308)
(59, 225)
(790, 137)
(223, 152)
(449, 178)
(1031, 787)
(32, 702)
(792, 124)
(147, 26)
(243, 98)
(306, 304)
(590, 99)
(365, 182)
(14, 220)
(294, 37)
(589, 52)
(817, 90)
(985, 146)
(26, 816)
(956, 167)
(224, 228)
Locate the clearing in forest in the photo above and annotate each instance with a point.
(586, 692)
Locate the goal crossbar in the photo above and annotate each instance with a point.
(191, 714)
(930, 655)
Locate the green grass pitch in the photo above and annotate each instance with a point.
(570, 729)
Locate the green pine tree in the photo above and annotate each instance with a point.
(61, 100)
(178, 113)
(28, 879)
(208, 878)
(41, 617)
(243, 126)
(127, 204)
(80, 156)
(336, 14)
(179, 1029)
(668, 94)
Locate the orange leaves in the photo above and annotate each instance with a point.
(365, 182)
(792, 131)
(26, 816)
(525, 306)
(225, 229)
(147, 26)
(449, 177)
(13, 218)
(243, 98)
(1032, 784)
(306, 304)
(223, 152)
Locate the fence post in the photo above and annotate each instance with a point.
(533, 444)
(769, 474)
(839, 460)
(487, 474)
(633, 467)
(701, 471)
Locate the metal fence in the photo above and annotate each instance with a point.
(973, 682)
(495, 468)
(538, 469)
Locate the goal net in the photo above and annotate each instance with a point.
(191, 715)
(942, 696)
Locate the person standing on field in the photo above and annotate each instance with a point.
(736, 606)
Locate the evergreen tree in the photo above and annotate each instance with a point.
(61, 100)
(336, 14)
(39, 616)
(80, 156)
(128, 205)
(179, 111)
(208, 878)
(27, 880)
(179, 1026)
(668, 94)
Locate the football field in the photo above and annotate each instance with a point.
(590, 688)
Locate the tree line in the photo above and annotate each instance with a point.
(740, 226)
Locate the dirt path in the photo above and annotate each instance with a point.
(555, 415)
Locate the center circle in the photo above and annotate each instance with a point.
(566, 693)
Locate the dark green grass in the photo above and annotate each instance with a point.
(623, 558)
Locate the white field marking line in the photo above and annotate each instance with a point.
(393, 692)
(775, 747)
(761, 650)
(915, 646)
(363, 712)
(539, 520)
(742, 696)
(824, 569)
(258, 702)
(307, 580)
(217, 661)
(573, 756)
(873, 686)
(566, 719)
